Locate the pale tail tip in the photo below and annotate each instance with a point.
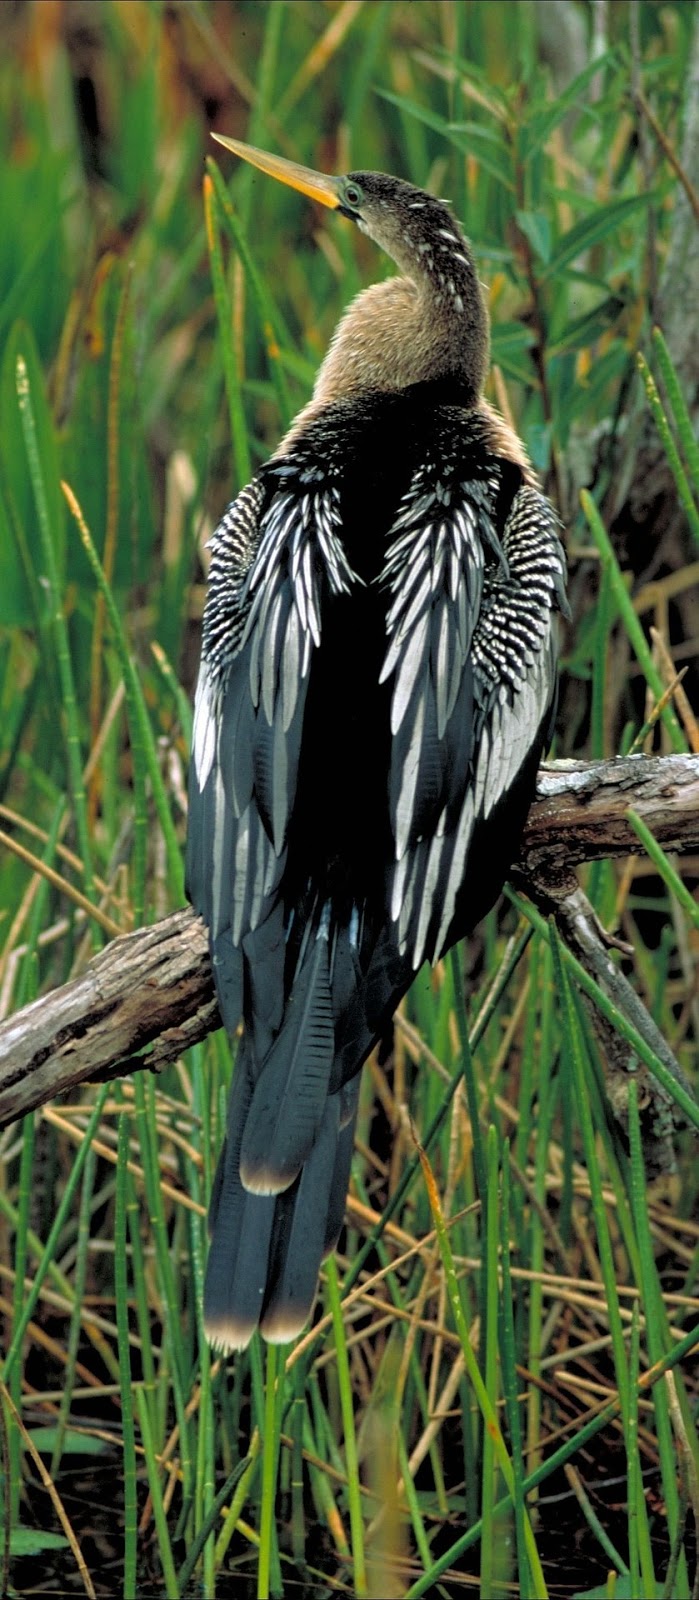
(257, 1179)
(285, 1325)
(226, 1335)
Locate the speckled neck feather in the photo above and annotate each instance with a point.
(429, 323)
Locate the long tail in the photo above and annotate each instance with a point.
(279, 1194)
(278, 1200)
(266, 1250)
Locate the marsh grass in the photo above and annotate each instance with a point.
(498, 1390)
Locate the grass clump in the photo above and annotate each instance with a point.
(498, 1390)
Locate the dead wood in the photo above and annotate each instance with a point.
(149, 995)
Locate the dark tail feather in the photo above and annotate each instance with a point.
(228, 973)
(266, 1250)
(368, 1014)
(299, 1237)
(291, 1091)
(291, 1121)
(240, 1225)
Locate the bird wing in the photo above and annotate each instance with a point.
(276, 558)
(280, 1188)
(274, 555)
(471, 663)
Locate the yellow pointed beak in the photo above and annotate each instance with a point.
(315, 184)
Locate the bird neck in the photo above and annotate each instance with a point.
(428, 324)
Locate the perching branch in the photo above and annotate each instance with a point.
(139, 1003)
(150, 995)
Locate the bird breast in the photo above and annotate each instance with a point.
(393, 335)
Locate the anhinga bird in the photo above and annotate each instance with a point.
(377, 686)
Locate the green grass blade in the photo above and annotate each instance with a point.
(508, 1345)
(667, 872)
(75, 1328)
(47, 1259)
(270, 1466)
(416, 1518)
(267, 313)
(172, 1588)
(680, 412)
(508, 966)
(608, 1009)
(237, 1483)
(485, 1404)
(144, 1098)
(628, 616)
(122, 1318)
(60, 628)
(672, 454)
(573, 1042)
(14, 1384)
(347, 1407)
(144, 748)
(584, 1432)
(240, 1481)
(656, 1327)
(466, 1070)
(490, 1575)
(267, 75)
(236, 412)
(594, 1523)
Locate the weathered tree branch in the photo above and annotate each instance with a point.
(150, 995)
(139, 1003)
(580, 810)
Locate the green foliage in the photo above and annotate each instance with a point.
(512, 1308)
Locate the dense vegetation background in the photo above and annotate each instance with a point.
(483, 1409)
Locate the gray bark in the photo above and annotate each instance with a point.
(150, 995)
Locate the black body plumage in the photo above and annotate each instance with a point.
(377, 686)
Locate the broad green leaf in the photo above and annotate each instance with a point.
(487, 146)
(512, 336)
(16, 608)
(72, 1443)
(443, 62)
(18, 529)
(536, 227)
(540, 124)
(513, 365)
(509, 344)
(478, 142)
(584, 330)
(589, 279)
(34, 1541)
(539, 445)
(30, 272)
(601, 224)
(133, 153)
(585, 396)
(37, 189)
(619, 1589)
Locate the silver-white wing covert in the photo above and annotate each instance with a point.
(471, 663)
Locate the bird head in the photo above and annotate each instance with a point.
(395, 214)
(430, 323)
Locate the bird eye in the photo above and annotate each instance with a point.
(353, 194)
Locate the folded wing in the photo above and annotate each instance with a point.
(471, 661)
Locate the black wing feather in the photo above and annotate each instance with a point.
(289, 1099)
(461, 685)
(288, 1145)
(471, 663)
